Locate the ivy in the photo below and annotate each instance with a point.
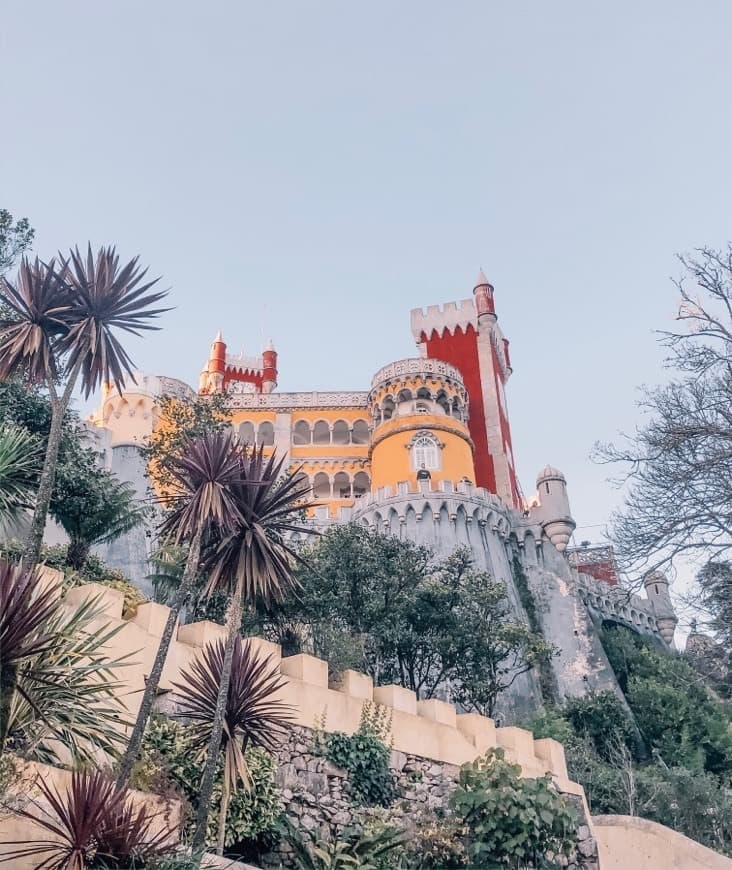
(365, 755)
(547, 680)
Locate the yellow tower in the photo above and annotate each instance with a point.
(419, 410)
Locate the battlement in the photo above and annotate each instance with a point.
(432, 729)
(440, 317)
(410, 368)
(617, 604)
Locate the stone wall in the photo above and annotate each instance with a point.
(315, 795)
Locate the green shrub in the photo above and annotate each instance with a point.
(365, 755)
(602, 719)
(169, 766)
(510, 821)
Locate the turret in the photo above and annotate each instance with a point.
(483, 293)
(553, 511)
(269, 368)
(656, 584)
(216, 368)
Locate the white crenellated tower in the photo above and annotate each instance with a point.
(553, 510)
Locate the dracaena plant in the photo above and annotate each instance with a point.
(89, 824)
(20, 463)
(60, 325)
(57, 683)
(251, 561)
(254, 714)
(203, 475)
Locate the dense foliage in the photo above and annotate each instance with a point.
(365, 755)
(388, 608)
(666, 756)
(89, 502)
(169, 765)
(512, 821)
(180, 420)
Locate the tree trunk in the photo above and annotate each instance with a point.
(153, 681)
(7, 690)
(223, 812)
(76, 554)
(34, 541)
(233, 624)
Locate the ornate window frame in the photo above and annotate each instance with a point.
(425, 447)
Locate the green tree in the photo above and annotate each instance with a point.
(180, 421)
(16, 236)
(95, 507)
(59, 328)
(388, 608)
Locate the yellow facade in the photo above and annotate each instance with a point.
(392, 460)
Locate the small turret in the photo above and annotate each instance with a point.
(554, 512)
(269, 368)
(216, 367)
(656, 585)
(483, 293)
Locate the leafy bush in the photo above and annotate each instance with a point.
(510, 821)
(365, 851)
(168, 765)
(365, 756)
(602, 719)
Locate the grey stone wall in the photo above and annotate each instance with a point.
(316, 799)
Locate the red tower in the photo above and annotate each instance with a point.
(466, 334)
(237, 372)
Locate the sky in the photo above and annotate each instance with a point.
(310, 172)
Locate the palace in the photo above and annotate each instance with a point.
(425, 454)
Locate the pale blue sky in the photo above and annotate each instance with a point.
(315, 170)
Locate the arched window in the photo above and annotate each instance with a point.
(341, 485)
(265, 434)
(425, 451)
(321, 485)
(361, 483)
(424, 393)
(360, 432)
(443, 402)
(387, 408)
(321, 433)
(301, 432)
(246, 432)
(405, 395)
(341, 433)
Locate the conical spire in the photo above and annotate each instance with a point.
(481, 280)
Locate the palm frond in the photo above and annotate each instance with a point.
(104, 298)
(21, 458)
(26, 607)
(255, 554)
(89, 820)
(254, 715)
(203, 474)
(34, 320)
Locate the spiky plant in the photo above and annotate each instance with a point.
(203, 476)
(252, 561)
(253, 713)
(20, 463)
(56, 681)
(91, 823)
(108, 510)
(60, 326)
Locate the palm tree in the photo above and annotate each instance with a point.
(20, 462)
(253, 561)
(60, 326)
(253, 715)
(56, 683)
(91, 823)
(203, 475)
(107, 509)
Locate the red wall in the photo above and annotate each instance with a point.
(461, 350)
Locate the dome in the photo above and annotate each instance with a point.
(549, 472)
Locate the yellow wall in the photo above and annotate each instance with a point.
(391, 460)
